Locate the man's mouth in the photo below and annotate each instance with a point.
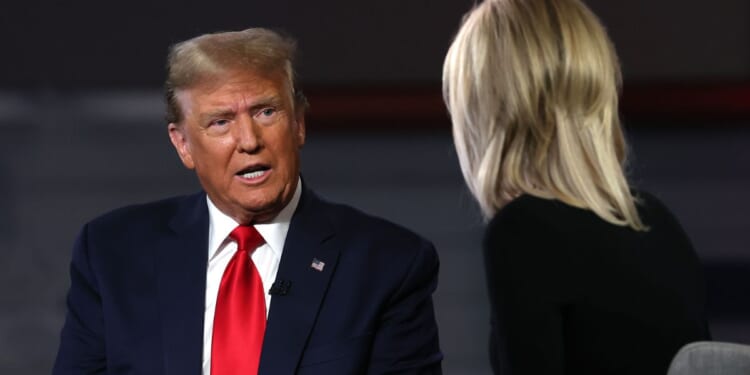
(253, 172)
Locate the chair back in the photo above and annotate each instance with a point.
(711, 358)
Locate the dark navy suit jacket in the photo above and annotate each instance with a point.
(137, 294)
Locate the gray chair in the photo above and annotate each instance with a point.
(711, 358)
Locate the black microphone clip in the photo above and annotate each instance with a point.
(280, 288)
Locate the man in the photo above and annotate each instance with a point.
(257, 274)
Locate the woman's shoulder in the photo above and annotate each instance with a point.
(528, 211)
(657, 216)
(531, 237)
(649, 203)
(551, 223)
(527, 219)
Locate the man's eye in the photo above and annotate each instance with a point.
(268, 112)
(220, 122)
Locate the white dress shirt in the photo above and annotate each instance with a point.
(221, 249)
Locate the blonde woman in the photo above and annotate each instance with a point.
(585, 275)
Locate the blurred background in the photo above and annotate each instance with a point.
(82, 132)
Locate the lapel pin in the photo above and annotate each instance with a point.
(317, 264)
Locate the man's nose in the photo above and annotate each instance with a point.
(247, 135)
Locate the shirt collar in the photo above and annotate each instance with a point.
(274, 232)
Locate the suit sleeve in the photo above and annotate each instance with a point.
(82, 347)
(526, 293)
(406, 341)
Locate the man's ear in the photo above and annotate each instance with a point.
(300, 131)
(181, 144)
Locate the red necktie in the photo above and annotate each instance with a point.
(240, 318)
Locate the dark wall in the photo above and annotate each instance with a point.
(83, 44)
(679, 39)
(80, 44)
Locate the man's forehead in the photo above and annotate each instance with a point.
(234, 86)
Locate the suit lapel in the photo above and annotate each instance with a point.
(181, 270)
(293, 315)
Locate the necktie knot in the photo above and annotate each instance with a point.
(247, 238)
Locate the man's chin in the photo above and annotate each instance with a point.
(259, 213)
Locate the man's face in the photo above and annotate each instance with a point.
(242, 136)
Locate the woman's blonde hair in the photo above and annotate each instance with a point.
(532, 89)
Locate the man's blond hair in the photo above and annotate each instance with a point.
(209, 56)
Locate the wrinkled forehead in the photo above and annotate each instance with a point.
(236, 88)
(219, 76)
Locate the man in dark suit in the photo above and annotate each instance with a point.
(256, 274)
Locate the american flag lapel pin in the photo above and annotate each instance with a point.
(317, 264)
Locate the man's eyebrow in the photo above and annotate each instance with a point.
(274, 100)
(219, 112)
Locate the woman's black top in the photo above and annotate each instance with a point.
(573, 294)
